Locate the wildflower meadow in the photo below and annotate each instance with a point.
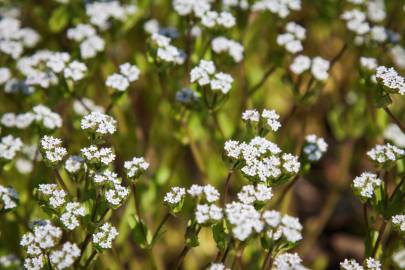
(202, 134)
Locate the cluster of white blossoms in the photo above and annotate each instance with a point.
(368, 63)
(64, 257)
(83, 106)
(244, 220)
(120, 81)
(135, 167)
(399, 222)
(314, 148)
(242, 4)
(74, 164)
(258, 194)
(187, 7)
(50, 193)
(288, 261)
(98, 156)
(115, 195)
(262, 160)
(104, 236)
(51, 150)
(208, 213)
(165, 51)
(367, 25)
(206, 193)
(101, 13)
(281, 8)
(44, 237)
(397, 54)
(282, 226)
(8, 198)
(268, 118)
(319, 67)
(71, 214)
(214, 19)
(292, 38)
(90, 42)
(40, 115)
(369, 264)
(365, 185)
(99, 124)
(14, 38)
(9, 146)
(9, 261)
(390, 79)
(217, 266)
(175, 198)
(205, 74)
(229, 46)
(393, 133)
(384, 154)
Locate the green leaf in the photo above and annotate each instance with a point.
(192, 235)
(59, 19)
(139, 231)
(220, 236)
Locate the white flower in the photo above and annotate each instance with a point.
(34, 263)
(65, 257)
(106, 177)
(69, 218)
(167, 52)
(390, 79)
(104, 235)
(174, 196)
(279, 226)
(95, 155)
(100, 13)
(8, 198)
(368, 63)
(222, 82)
(205, 213)
(315, 147)
(271, 118)
(395, 134)
(204, 74)
(291, 39)
(80, 32)
(81, 109)
(372, 264)
(398, 56)
(5, 75)
(281, 8)
(74, 164)
(233, 48)
(91, 46)
(213, 19)
(98, 123)
(151, 26)
(52, 150)
(300, 64)
(135, 167)
(356, 21)
(116, 195)
(207, 193)
(365, 184)
(217, 266)
(9, 146)
(244, 220)
(131, 72)
(320, 68)
(251, 194)
(57, 61)
(382, 154)
(52, 194)
(118, 82)
(399, 222)
(186, 7)
(350, 265)
(46, 118)
(75, 70)
(288, 261)
(251, 116)
(44, 237)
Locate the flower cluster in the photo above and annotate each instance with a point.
(90, 42)
(233, 48)
(288, 261)
(205, 74)
(135, 167)
(365, 184)
(51, 194)
(390, 79)
(292, 38)
(51, 150)
(268, 119)
(385, 154)
(258, 194)
(65, 257)
(70, 215)
(206, 193)
(9, 146)
(206, 213)
(213, 19)
(104, 235)
(8, 198)
(98, 124)
(74, 164)
(244, 220)
(314, 147)
(281, 8)
(128, 73)
(98, 156)
(369, 264)
(399, 222)
(174, 199)
(319, 67)
(165, 51)
(282, 227)
(101, 13)
(262, 160)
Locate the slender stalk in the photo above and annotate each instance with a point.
(397, 188)
(216, 122)
(379, 238)
(266, 260)
(138, 211)
(238, 255)
(160, 226)
(183, 253)
(262, 81)
(226, 187)
(90, 259)
(395, 119)
(60, 180)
